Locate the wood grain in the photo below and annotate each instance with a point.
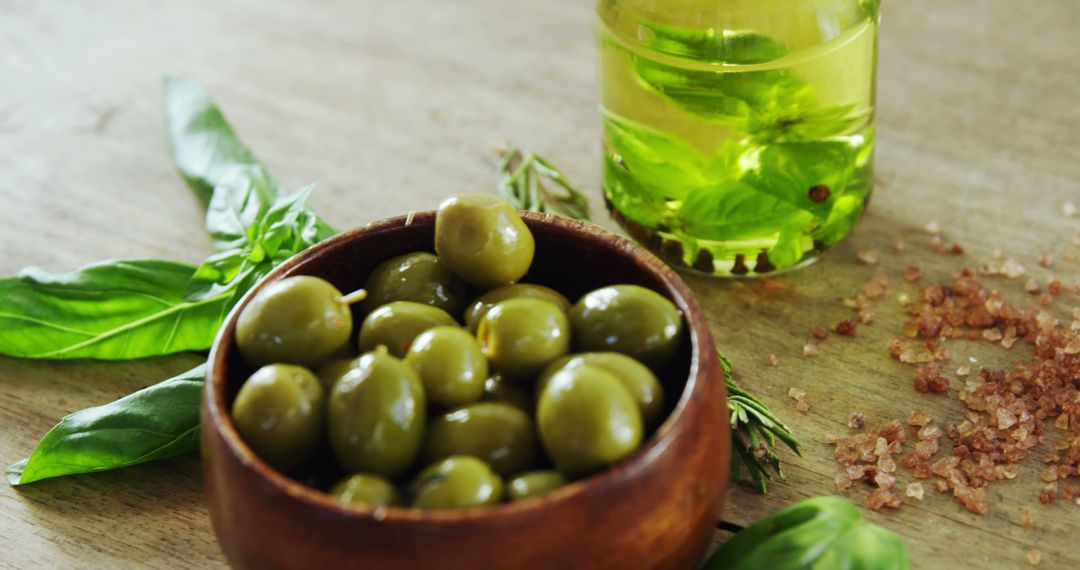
(389, 106)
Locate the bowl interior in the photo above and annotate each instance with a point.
(571, 257)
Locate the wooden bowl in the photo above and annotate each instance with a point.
(656, 509)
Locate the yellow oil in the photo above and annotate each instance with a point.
(739, 135)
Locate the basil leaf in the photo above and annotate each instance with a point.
(205, 148)
(154, 423)
(115, 310)
(221, 170)
(736, 47)
(748, 100)
(735, 210)
(664, 165)
(788, 171)
(819, 533)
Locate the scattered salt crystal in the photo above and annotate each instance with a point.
(992, 335)
(899, 246)
(774, 360)
(912, 273)
(856, 420)
(796, 394)
(1034, 557)
(809, 350)
(1068, 208)
(915, 491)
(869, 256)
(932, 227)
(1012, 268)
(963, 370)
(884, 480)
(1005, 418)
(919, 418)
(802, 406)
(1026, 520)
(930, 431)
(1032, 287)
(1046, 259)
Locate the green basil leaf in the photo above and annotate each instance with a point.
(205, 148)
(747, 100)
(219, 168)
(665, 165)
(115, 310)
(821, 533)
(788, 171)
(735, 47)
(154, 423)
(635, 201)
(735, 211)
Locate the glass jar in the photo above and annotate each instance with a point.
(738, 134)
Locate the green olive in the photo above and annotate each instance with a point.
(635, 376)
(498, 390)
(500, 434)
(628, 319)
(376, 416)
(521, 336)
(332, 371)
(419, 277)
(367, 490)
(457, 482)
(533, 484)
(450, 364)
(587, 419)
(396, 324)
(485, 302)
(483, 239)
(279, 413)
(296, 320)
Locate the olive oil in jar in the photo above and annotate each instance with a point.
(738, 135)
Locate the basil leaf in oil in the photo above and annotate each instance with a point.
(739, 47)
(154, 423)
(734, 210)
(664, 165)
(788, 171)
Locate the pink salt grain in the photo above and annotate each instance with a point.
(809, 350)
(918, 418)
(869, 256)
(915, 491)
(774, 360)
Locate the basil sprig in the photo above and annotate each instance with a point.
(118, 310)
(815, 534)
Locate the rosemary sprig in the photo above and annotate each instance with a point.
(754, 431)
(754, 428)
(530, 182)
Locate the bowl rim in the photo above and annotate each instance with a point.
(653, 448)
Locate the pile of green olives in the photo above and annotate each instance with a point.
(471, 388)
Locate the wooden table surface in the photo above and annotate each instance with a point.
(390, 106)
